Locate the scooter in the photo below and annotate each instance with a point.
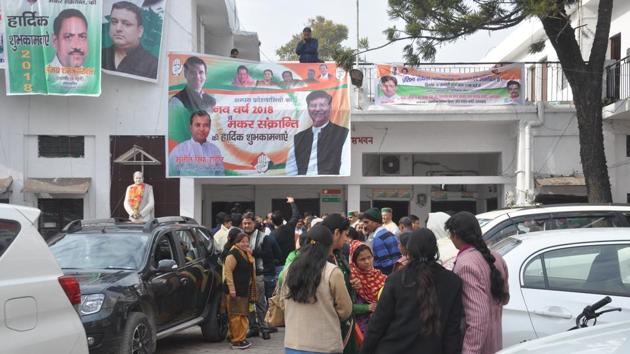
(590, 313)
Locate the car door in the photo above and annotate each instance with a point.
(166, 287)
(192, 272)
(558, 283)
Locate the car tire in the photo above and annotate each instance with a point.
(138, 336)
(215, 328)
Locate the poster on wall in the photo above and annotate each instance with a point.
(132, 37)
(2, 60)
(52, 48)
(398, 85)
(238, 118)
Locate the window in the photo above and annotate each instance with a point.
(57, 213)
(61, 146)
(4, 201)
(163, 250)
(601, 269)
(8, 232)
(206, 238)
(191, 248)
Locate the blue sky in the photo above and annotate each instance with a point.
(276, 20)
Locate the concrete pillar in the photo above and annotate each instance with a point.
(354, 197)
(190, 198)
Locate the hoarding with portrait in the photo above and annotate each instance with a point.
(264, 119)
(399, 85)
(52, 47)
(132, 37)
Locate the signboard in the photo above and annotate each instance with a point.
(52, 47)
(266, 119)
(132, 37)
(401, 85)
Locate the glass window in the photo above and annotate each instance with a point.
(505, 245)
(534, 276)
(503, 232)
(163, 250)
(206, 239)
(530, 225)
(582, 222)
(589, 268)
(190, 246)
(8, 232)
(61, 146)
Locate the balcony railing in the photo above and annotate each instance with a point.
(541, 81)
(618, 80)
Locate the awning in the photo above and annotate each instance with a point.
(561, 186)
(57, 185)
(5, 183)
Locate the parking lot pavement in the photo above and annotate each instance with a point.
(191, 342)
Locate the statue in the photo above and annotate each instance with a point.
(139, 202)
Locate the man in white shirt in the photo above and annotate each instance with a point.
(389, 85)
(323, 73)
(197, 156)
(319, 150)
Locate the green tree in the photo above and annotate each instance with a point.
(432, 22)
(329, 34)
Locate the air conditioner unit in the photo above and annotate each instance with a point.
(396, 165)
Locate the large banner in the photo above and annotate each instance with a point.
(263, 119)
(132, 37)
(53, 47)
(398, 85)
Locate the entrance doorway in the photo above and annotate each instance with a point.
(57, 213)
(231, 207)
(399, 208)
(453, 206)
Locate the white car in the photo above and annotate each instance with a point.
(555, 274)
(37, 302)
(499, 224)
(612, 338)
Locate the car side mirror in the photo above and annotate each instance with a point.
(166, 265)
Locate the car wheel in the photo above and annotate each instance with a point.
(138, 336)
(216, 326)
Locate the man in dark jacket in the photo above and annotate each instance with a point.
(284, 234)
(319, 150)
(307, 47)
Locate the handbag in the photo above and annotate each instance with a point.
(275, 311)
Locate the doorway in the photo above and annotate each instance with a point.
(453, 206)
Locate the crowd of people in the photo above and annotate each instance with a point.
(361, 283)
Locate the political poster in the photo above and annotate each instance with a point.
(132, 38)
(2, 59)
(237, 118)
(52, 47)
(398, 85)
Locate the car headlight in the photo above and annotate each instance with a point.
(91, 303)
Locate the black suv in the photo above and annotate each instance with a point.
(142, 282)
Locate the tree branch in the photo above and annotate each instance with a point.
(602, 31)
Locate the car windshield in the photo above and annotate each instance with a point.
(100, 251)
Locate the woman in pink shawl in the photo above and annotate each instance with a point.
(242, 78)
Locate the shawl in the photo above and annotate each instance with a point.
(136, 192)
(249, 257)
(354, 244)
(372, 281)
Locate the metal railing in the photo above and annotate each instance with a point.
(541, 81)
(618, 80)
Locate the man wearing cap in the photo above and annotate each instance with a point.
(384, 243)
(319, 150)
(386, 213)
(353, 217)
(307, 47)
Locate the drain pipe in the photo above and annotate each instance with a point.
(529, 155)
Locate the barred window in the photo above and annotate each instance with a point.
(61, 146)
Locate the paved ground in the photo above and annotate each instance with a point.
(190, 342)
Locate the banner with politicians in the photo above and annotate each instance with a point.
(237, 118)
(399, 85)
(52, 47)
(132, 37)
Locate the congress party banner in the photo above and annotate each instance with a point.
(238, 118)
(398, 85)
(132, 37)
(52, 47)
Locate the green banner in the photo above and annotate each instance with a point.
(52, 47)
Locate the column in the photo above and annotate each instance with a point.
(354, 197)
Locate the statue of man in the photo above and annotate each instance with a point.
(139, 202)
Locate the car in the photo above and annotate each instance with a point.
(552, 277)
(613, 338)
(499, 224)
(142, 282)
(38, 312)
